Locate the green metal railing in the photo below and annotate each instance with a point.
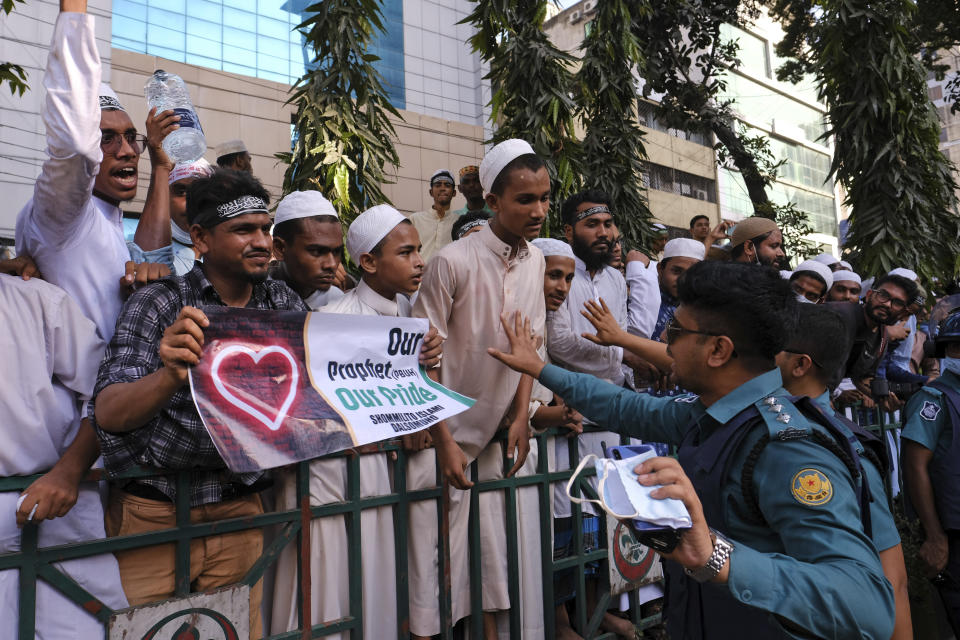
(36, 563)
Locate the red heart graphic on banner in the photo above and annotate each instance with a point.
(256, 407)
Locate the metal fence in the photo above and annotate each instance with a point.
(36, 563)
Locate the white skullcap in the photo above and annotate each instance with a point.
(231, 146)
(199, 169)
(499, 157)
(108, 98)
(846, 276)
(660, 228)
(442, 173)
(370, 227)
(846, 265)
(827, 259)
(303, 204)
(903, 273)
(684, 248)
(785, 274)
(553, 247)
(816, 267)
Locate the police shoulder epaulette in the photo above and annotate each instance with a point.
(783, 420)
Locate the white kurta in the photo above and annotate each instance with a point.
(329, 561)
(75, 238)
(52, 352)
(466, 287)
(570, 350)
(435, 232)
(644, 301)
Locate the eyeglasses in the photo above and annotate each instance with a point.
(803, 353)
(674, 330)
(882, 295)
(110, 141)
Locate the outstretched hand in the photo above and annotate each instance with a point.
(523, 356)
(608, 329)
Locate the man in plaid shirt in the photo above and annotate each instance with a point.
(143, 410)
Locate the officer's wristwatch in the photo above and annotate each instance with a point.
(721, 551)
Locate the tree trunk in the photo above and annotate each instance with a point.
(745, 162)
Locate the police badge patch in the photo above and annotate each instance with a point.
(930, 410)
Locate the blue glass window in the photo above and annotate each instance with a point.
(249, 37)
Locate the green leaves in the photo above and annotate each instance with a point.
(898, 184)
(531, 87)
(606, 96)
(344, 136)
(13, 74)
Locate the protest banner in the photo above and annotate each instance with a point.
(276, 387)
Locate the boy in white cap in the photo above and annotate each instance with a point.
(308, 245)
(72, 227)
(829, 260)
(679, 255)
(468, 287)
(435, 224)
(385, 246)
(233, 154)
(846, 287)
(811, 280)
(182, 177)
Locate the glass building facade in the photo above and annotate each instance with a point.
(794, 130)
(250, 37)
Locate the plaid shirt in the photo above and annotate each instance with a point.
(175, 438)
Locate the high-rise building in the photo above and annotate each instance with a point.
(239, 59)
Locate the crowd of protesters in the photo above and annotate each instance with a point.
(756, 375)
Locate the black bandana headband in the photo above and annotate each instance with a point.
(222, 213)
(473, 224)
(586, 213)
(110, 103)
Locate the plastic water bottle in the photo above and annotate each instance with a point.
(168, 91)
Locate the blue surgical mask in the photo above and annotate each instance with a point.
(951, 364)
(801, 298)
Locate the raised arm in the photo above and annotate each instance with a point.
(71, 115)
(609, 332)
(153, 230)
(643, 303)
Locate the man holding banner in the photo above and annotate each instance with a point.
(143, 409)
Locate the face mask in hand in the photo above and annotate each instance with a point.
(951, 364)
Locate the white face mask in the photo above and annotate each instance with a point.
(801, 298)
(951, 364)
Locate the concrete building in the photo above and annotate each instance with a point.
(683, 178)
(949, 122)
(239, 58)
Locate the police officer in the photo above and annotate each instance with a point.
(810, 363)
(786, 554)
(931, 467)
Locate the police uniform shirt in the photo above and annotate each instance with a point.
(926, 417)
(812, 564)
(885, 534)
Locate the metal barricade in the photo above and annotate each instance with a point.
(36, 563)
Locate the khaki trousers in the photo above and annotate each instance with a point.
(147, 573)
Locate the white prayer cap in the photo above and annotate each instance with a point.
(816, 267)
(231, 146)
(554, 247)
(684, 248)
(108, 98)
(661, 229)
(904, 273)
(785, 274)
(370, 227)
(846, 276)
(846, 265)
(199, 169)
(499, 157)
(827, 259)
(303, 204)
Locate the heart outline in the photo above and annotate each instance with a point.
(274, 424)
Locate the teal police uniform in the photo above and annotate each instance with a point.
(800, 551)
(885, 535)
(933, 422)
